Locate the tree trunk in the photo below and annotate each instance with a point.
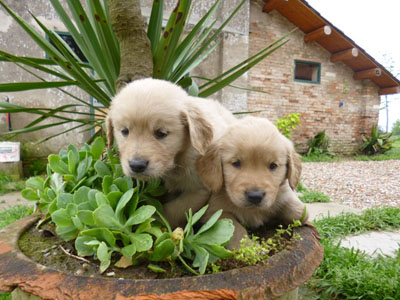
(129, 26)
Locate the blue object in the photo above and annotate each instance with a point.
(341, 103)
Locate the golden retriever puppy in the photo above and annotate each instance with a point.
(252, 171)
(161, 131)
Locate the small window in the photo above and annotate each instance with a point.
(306, 71)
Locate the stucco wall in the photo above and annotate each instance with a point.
(317, 103)
(14, 40)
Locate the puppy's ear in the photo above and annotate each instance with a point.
(110, 132)
(200, 131)
(294, 168)
(209, 168)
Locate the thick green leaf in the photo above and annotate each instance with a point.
(142, 241)
(128, 251)
(81, 195)
(101, 234)
(57, 165)
(140, 215)
(219, 234)
(218, 251)
(72, 162)
(102, 169)
(104, 256)
(77, 222)
(163, 250)
(64, 199)
(97, 148)
(82, 248)
(145, 226)
(35, 183)
(201, 258)
(124, 183)
(86, 217)
(30, 195)
(113, 198)
(101, 199)
(104, 216)
(122, 203)
(156, 269)
(210, 222)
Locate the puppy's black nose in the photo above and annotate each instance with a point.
(254, 196)
(138, 165)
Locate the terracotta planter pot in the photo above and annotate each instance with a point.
(285, 272)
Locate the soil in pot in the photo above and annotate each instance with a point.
(45, 248)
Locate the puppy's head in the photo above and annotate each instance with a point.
(153, 121)
(250, 161)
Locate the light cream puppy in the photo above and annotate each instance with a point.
(252, 171)
(161, 131)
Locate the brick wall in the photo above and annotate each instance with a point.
(317, 103)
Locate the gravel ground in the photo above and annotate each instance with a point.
(359, 184)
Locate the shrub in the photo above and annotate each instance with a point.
(288, 123)
(319, 144)
(396, 128)
(377, 143)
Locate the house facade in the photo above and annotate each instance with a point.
(320, 73)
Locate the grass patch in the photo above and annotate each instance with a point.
(311, 196)
(13, 214)
(7, 217)
(314, 196)
(5, 297)
(350, 274)
(320, 158)
(7, 185)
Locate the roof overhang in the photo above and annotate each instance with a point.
(342, 48)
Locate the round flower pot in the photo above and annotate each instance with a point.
(284, 272)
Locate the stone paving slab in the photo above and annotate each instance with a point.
(11, 199)
(318, 210)
(374, 243)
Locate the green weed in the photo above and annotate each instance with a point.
(314, 196)
(350, 274)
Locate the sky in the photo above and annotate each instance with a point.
(373, 25)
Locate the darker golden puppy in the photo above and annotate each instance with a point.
(252, 171)
(161, 131)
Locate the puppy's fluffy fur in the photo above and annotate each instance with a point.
(251, 171)
(156, 122)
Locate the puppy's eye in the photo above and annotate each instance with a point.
(125, 132)
(160, 134)
(236, 163)
(273, 166)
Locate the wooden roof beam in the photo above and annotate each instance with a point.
(344, 55)
(272, 4)
(389, 90)
(318, 33)
(369, 73)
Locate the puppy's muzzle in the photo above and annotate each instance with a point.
(138, 165)
(254, 196)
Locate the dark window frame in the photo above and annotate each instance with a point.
(318, 81)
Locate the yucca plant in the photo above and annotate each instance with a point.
(176, 51)
(377, 143)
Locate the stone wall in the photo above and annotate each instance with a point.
(319, 104)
